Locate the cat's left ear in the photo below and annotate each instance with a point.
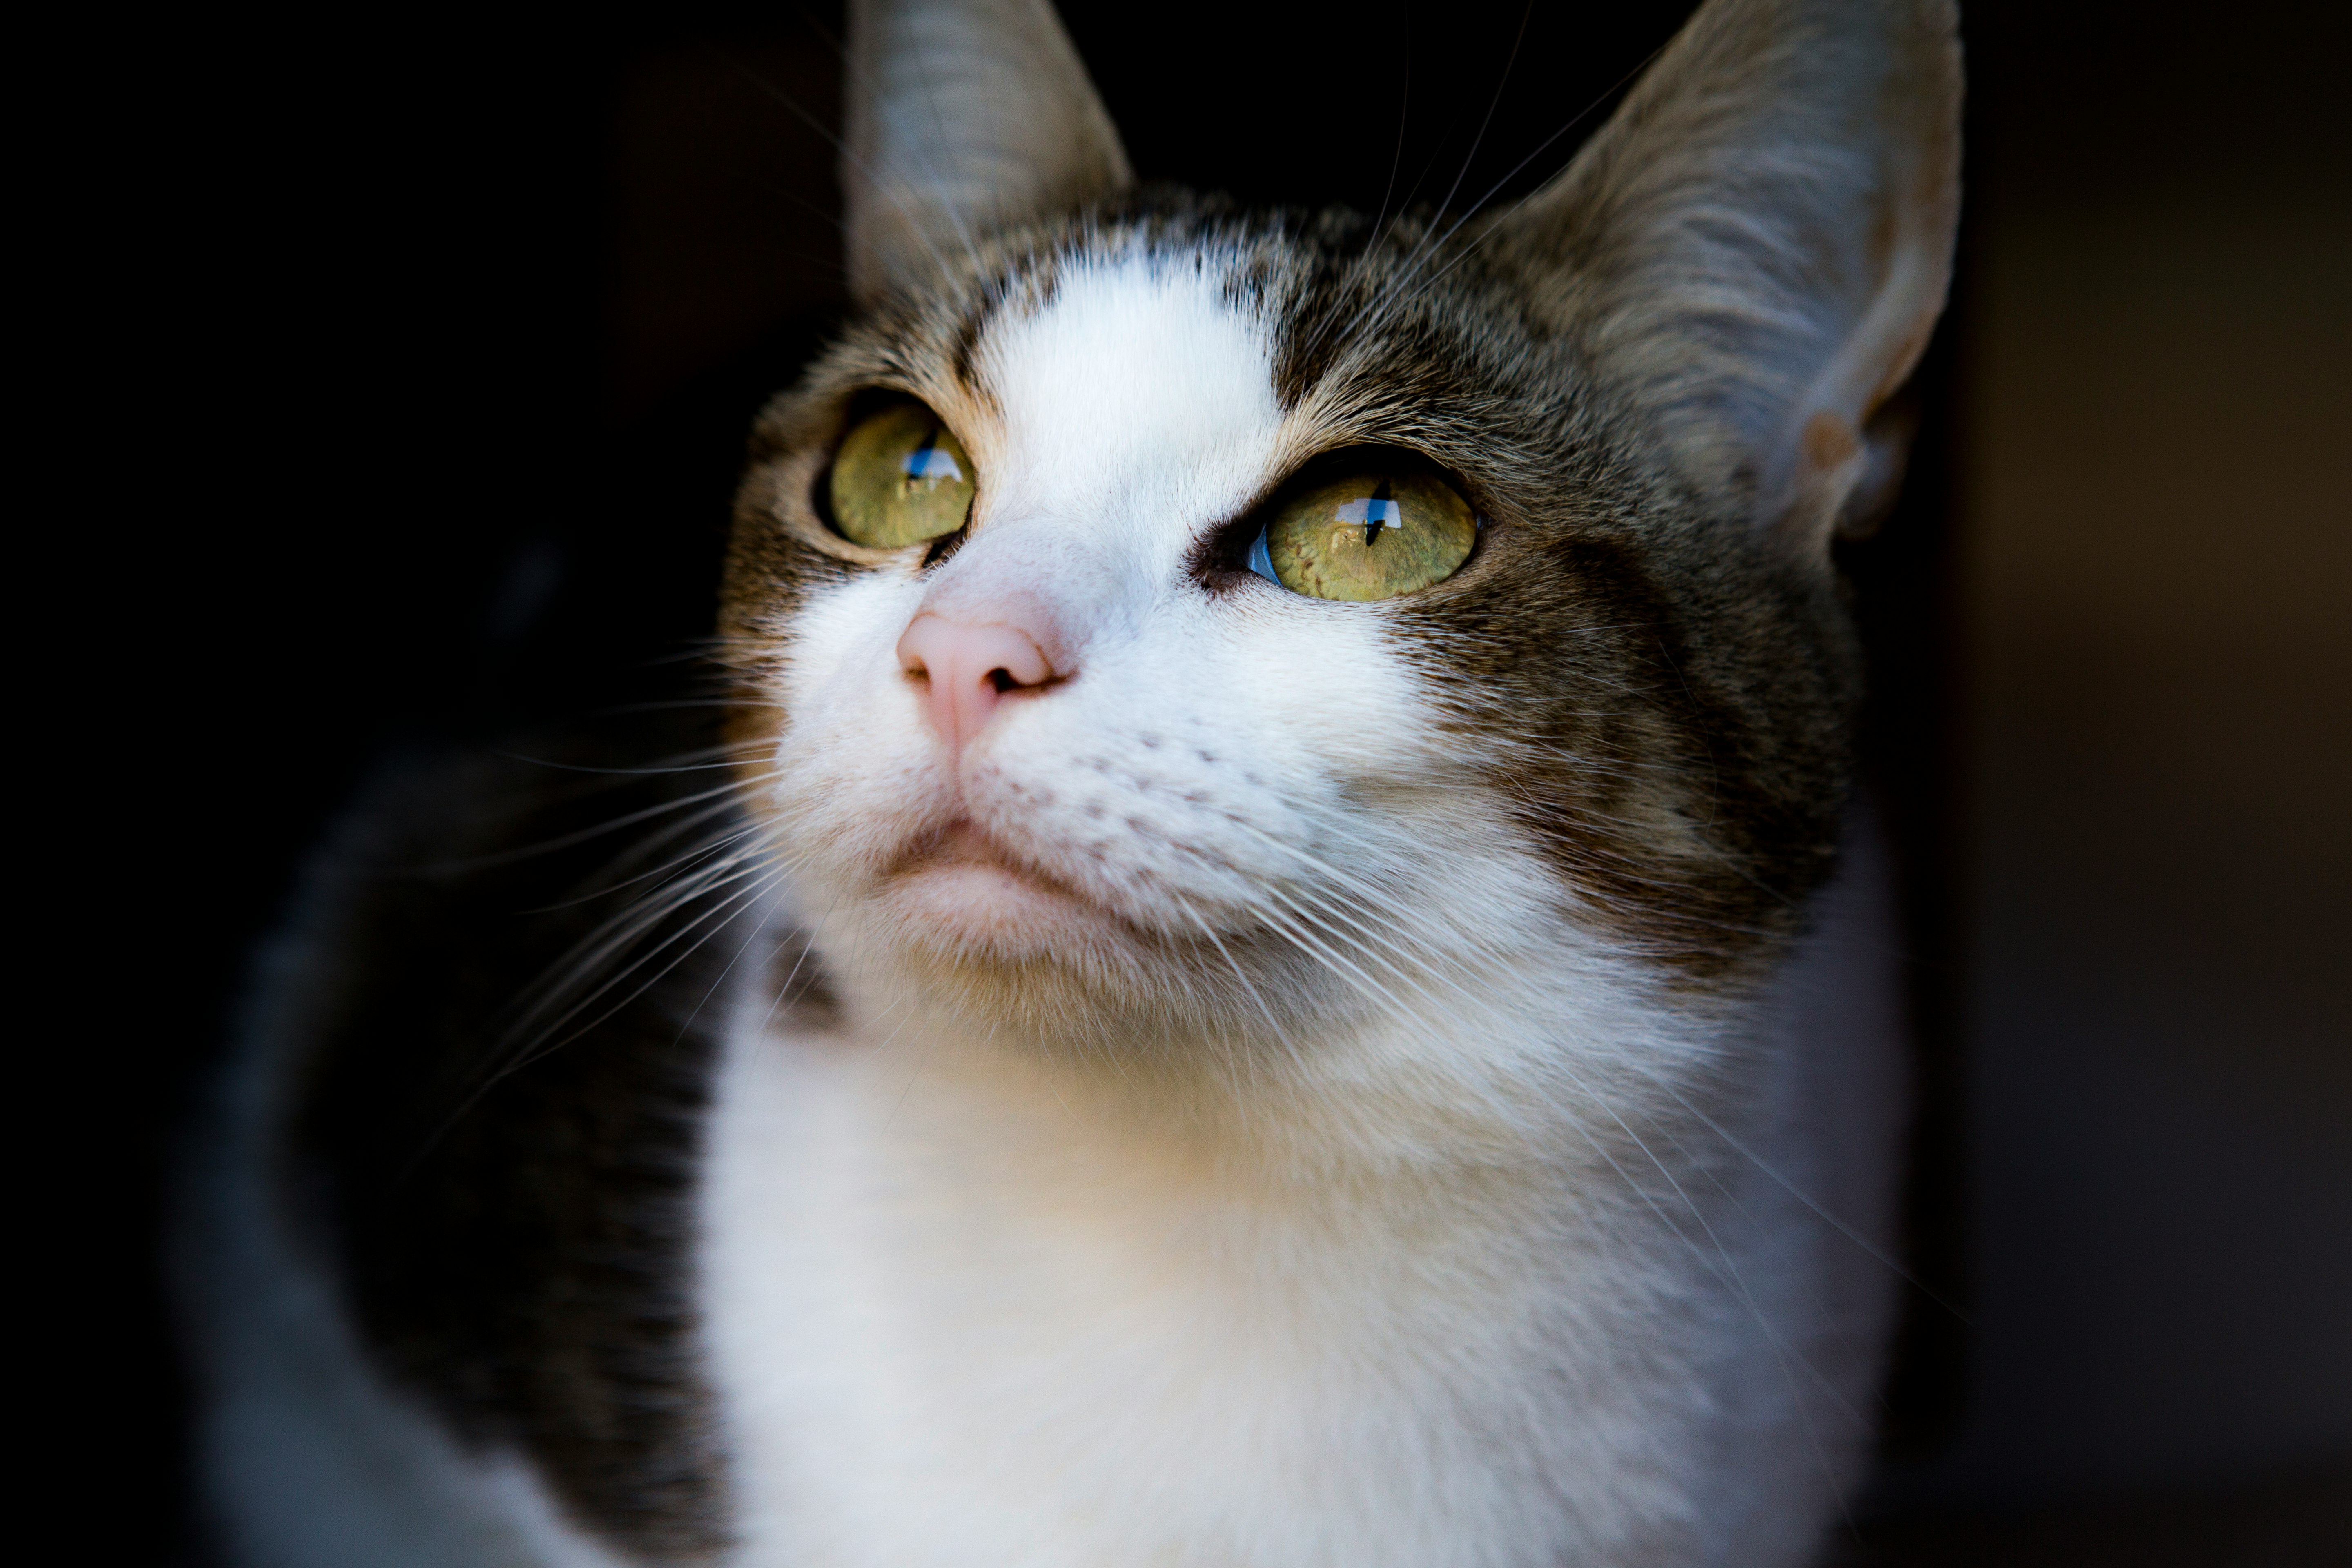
(964, 115)
(1756, 246)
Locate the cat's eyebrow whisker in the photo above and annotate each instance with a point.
(1401, 288)
(1423, 285)
(1510, 62)
(1404, 102)
(882, 177)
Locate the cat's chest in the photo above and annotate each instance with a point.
(952, 1325)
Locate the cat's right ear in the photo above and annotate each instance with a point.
(1757, 246)
(964, 115)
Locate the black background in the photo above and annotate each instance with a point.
(396, 369)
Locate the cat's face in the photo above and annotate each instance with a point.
(1277, 620)
(1223, 778)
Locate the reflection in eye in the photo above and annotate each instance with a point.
(932, 461)
(1375, 537)
(1372, 513)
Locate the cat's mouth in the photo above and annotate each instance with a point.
(961, 844)
(959, 884)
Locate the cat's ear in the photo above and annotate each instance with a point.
(962, 115)
(1757, 246)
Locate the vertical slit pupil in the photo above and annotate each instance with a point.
(1377, 514)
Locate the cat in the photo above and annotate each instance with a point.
(1273, 957)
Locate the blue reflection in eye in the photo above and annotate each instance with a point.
(1260, 561)
(928, 462)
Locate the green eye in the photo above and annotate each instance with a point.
(1372, 537)
(901, 478)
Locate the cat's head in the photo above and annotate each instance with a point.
(1160, 614)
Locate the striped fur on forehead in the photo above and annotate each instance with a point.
(1658, 700)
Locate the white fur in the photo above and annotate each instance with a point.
(1410, 1291)
(967, 1312)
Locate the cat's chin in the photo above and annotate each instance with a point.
(957, 890)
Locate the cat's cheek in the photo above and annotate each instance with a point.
(841, 642)
(1336, 689)
(855, 773)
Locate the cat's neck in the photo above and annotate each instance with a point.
(911, 1238)
(1535, 1065)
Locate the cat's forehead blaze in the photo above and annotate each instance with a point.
(1134, 403)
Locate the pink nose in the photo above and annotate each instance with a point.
(968, 669)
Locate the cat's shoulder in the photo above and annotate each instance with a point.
(484, 1050)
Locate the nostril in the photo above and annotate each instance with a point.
(964, 670)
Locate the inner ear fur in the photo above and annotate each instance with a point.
(1756, 246)
(964, 115)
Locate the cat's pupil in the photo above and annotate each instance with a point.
(1380, 513)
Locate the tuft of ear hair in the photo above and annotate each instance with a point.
(964, 115)
(1756, 246)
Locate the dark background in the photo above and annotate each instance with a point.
(404, 365)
